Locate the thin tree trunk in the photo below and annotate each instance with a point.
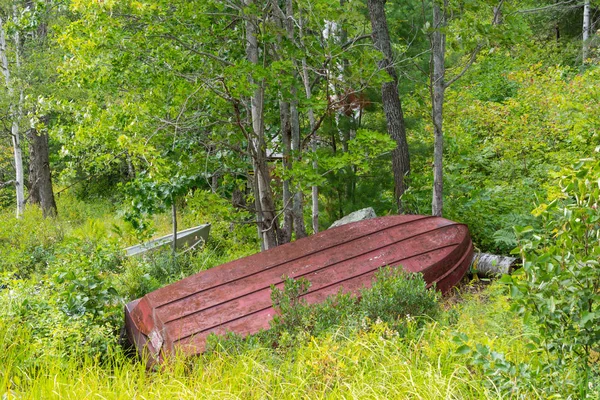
(258, 210)
(16, 116)
(298, 198)
(174, 218)
(285, 233)
(130, 167)
(286, 135)
(18, 157)
(269, 228)
(288, 116)
(390, 98)
(586, 29)
(313, 143)
(40, 177)
(315, 189)
(437, 88)
(313, 140)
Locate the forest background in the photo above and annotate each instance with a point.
(270, 120)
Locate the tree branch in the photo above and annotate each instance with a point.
(196, 51)
(497, 12)
(466, 67)
(549, 7)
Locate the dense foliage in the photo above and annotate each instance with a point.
(560, 282)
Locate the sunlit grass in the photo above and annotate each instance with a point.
(372, 363)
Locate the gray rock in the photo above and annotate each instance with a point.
(365, 213)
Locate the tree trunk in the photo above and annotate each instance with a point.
(313, 143)
(15, 112)
(390, 98)
(286, 136)
(214, 182)
(174, 218)
(313, 140)
(258, 211)
(586, 29)
(298, 200)
(285, 129)
(40, 177)
(130, 168)
(437, 88)
(267, 219)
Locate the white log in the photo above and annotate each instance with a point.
(491, 265)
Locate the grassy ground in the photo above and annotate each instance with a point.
(371, 363)
(59, 323)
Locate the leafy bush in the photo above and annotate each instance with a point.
(397, 300)
(394, 297)
(26, 244)
(559, 285)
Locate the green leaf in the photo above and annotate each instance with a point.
(464, 349)
(586, 317)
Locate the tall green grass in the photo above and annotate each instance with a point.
(373, 362)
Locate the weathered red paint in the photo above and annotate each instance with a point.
(236, 296)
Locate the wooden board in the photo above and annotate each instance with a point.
(185, 239)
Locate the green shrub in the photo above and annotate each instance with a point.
(394, 297)
(397, 300)
(558, 288)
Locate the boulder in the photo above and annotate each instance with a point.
(365, 213)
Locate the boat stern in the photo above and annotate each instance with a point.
(148, 345)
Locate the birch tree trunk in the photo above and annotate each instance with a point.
(267, 219)
(390, 98)
(18, 156)
(586, 30)
(437, 88)
(15, 112)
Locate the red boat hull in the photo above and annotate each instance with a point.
(236, 296)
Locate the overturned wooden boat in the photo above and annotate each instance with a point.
(236, 296)
(185, 239)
